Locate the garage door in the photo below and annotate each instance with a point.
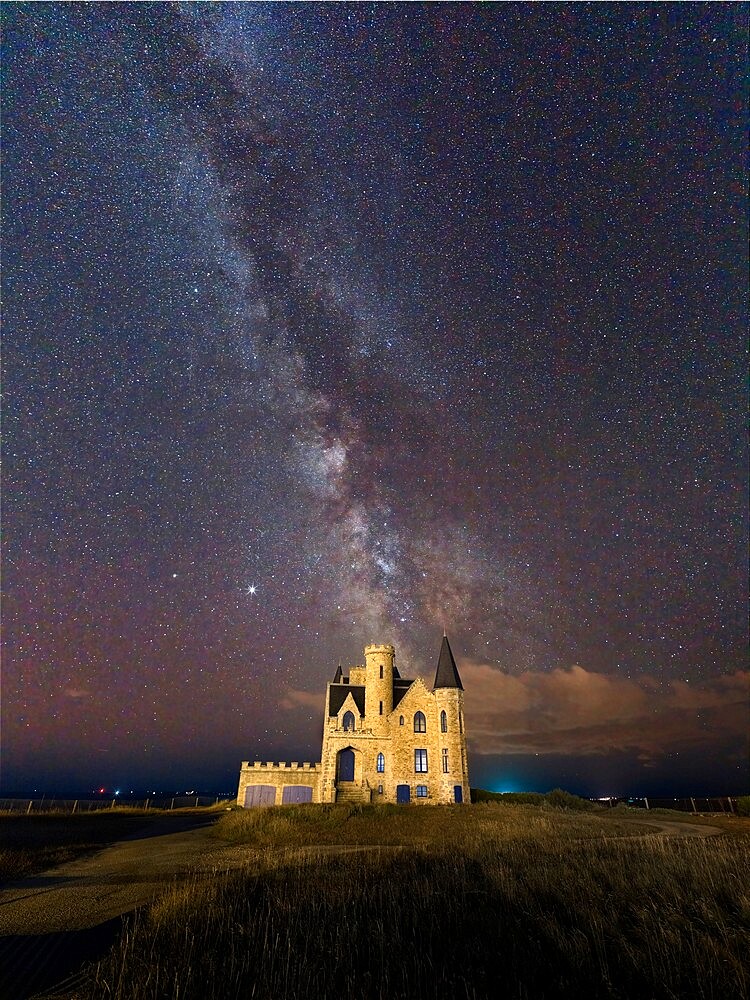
(260, 795)
(296, 793)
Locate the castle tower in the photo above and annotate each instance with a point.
(449, 695)
(378, 687)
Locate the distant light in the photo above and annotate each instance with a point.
(117, 791)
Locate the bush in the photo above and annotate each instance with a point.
(557, 798)
(560, 799)
(743, 805)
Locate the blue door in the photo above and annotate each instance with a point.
(402, 793)
(458, 794)
(259, 795)
(296, 793)
(346, 765)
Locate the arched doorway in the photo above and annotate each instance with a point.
(345, 765)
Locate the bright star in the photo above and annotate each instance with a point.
(251, 589)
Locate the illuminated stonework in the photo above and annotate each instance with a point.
(385, 739)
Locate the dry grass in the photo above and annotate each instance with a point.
(493, 901)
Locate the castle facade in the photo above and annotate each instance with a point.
(385, 739)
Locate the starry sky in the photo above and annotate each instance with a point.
(336, 324)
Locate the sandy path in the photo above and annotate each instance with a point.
(86, 892)
(53, 922)
(674, 827)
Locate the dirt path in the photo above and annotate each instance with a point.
(53, 922)
(675, 827)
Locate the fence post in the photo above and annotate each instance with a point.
(646, 801)
(731, 806)
(31, 801)
(196, 801)
(75, 805)
(692, 803)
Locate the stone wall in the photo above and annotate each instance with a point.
(398, 743)
(279, 776)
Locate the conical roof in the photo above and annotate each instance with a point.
(446, 675)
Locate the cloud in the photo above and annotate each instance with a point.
(578, 712)
(77, 693)
(294, 698)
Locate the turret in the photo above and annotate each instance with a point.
(379, 686)
(449, 696)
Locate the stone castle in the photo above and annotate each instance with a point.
(385, 739)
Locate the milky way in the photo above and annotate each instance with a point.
(333, 324)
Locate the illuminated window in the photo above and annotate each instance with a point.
(421, 791)
(420, 761)
(420, 723)
(348, 720)
(445, 761)
(443, 722)
(381, 763)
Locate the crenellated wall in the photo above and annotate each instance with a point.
(278, 776)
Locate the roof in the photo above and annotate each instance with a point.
(337, 675)
(337, 697)
(400, 687)
(446, 675)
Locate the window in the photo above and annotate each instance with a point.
(421, 791)
(381, 763)
(380, 789)
(381, 707)
(443, 722)
(348, 720)
(420, 723)
(400, 720)
(381, 671)
(460, 722)
(445, 761)
(420, 761)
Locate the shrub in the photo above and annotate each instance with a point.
(560, 799)
(743, 805)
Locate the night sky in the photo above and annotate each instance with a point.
(336, 324)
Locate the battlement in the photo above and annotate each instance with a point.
(270, 765)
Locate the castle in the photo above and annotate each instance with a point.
(385, 739)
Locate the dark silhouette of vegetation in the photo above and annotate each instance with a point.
(557, 798)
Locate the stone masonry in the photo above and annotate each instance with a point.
(385, 739)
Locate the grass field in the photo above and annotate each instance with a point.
(491, 901)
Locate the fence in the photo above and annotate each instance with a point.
(725, 804)
(95, 805)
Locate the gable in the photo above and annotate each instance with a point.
(415, 696)
(338, 694)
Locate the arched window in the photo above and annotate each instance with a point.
(381, 763)
(348, 720)
(420, 723)
(443, 722)
(400, 720)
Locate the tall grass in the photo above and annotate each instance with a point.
(493, 901)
